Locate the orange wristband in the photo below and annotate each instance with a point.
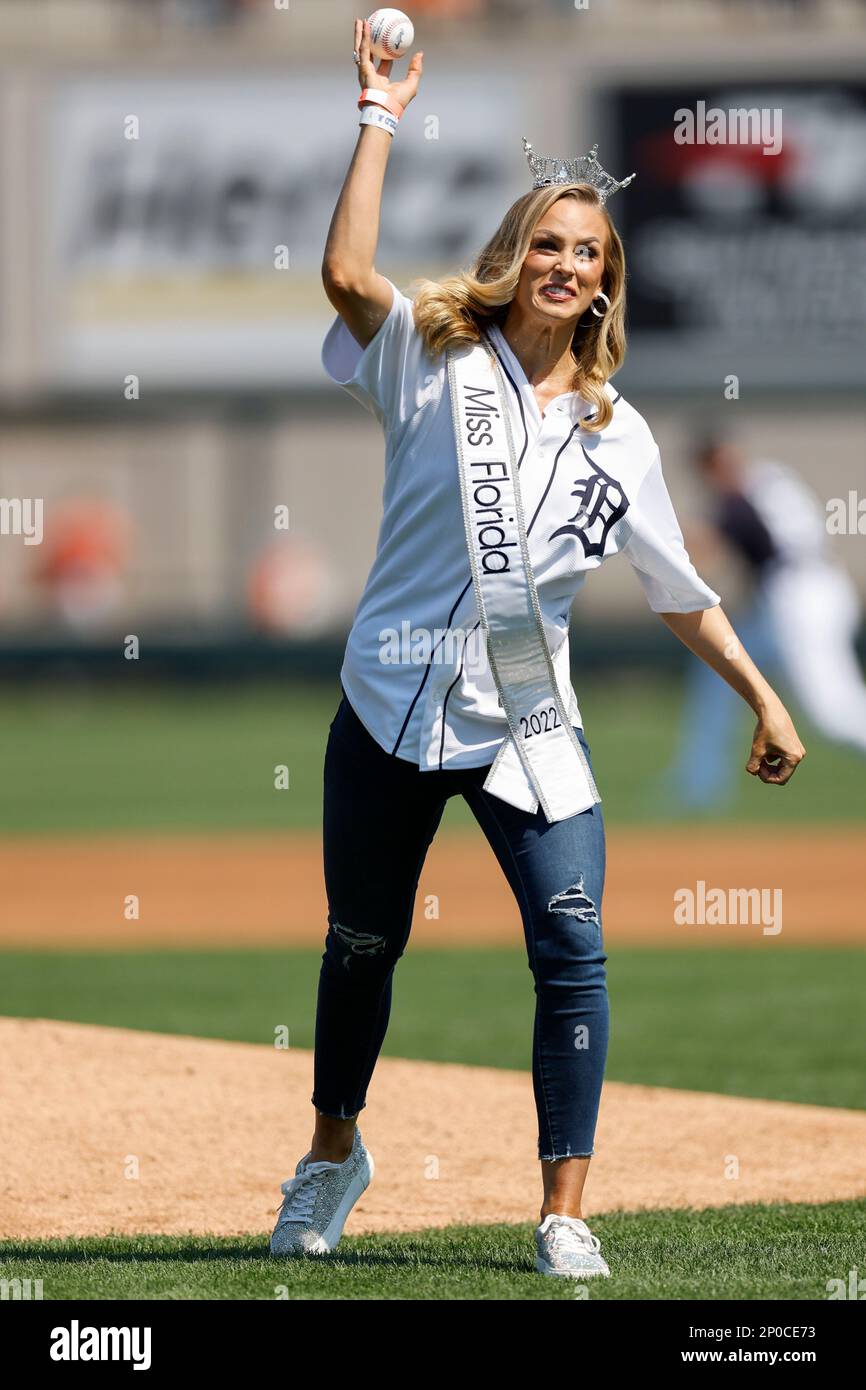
(381, 98)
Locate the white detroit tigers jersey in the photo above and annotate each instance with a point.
(415, 670)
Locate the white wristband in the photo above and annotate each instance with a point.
(377, 115)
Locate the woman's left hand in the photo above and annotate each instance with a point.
(776, 749)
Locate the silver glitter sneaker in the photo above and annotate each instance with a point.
(317, 1200)
(567, 1247)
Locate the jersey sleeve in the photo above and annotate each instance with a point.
(657, 554)
(383, 375)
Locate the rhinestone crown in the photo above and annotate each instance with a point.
(584, 169)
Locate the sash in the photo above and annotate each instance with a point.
(541, 762)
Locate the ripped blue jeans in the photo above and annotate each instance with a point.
(380, 815)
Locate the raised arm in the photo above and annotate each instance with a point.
(359, 294)
(776, 749)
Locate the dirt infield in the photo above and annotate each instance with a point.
(266, 889)
(146, 1133)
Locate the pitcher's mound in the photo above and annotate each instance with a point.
(107, 1130)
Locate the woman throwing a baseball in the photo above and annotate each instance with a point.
(513, 467)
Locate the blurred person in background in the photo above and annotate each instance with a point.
(505, 368)
(83, 564)
(801, 618)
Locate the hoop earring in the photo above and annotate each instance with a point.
(600, 295)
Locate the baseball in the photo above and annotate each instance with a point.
(391, 33)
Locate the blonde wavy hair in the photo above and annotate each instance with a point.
(452, 312)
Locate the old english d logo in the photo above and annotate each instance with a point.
(601, 504)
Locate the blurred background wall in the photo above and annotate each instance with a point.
(170, 168)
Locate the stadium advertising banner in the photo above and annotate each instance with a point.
(185, 222)
(187, 217)
(745, 233)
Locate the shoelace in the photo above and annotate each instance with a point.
(572, 1238)
(300, 1193)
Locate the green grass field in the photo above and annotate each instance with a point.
(781, 1025)
(81, 760)
(784, 1024)
(776, 1252)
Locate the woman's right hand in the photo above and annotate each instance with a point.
(368, 76)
